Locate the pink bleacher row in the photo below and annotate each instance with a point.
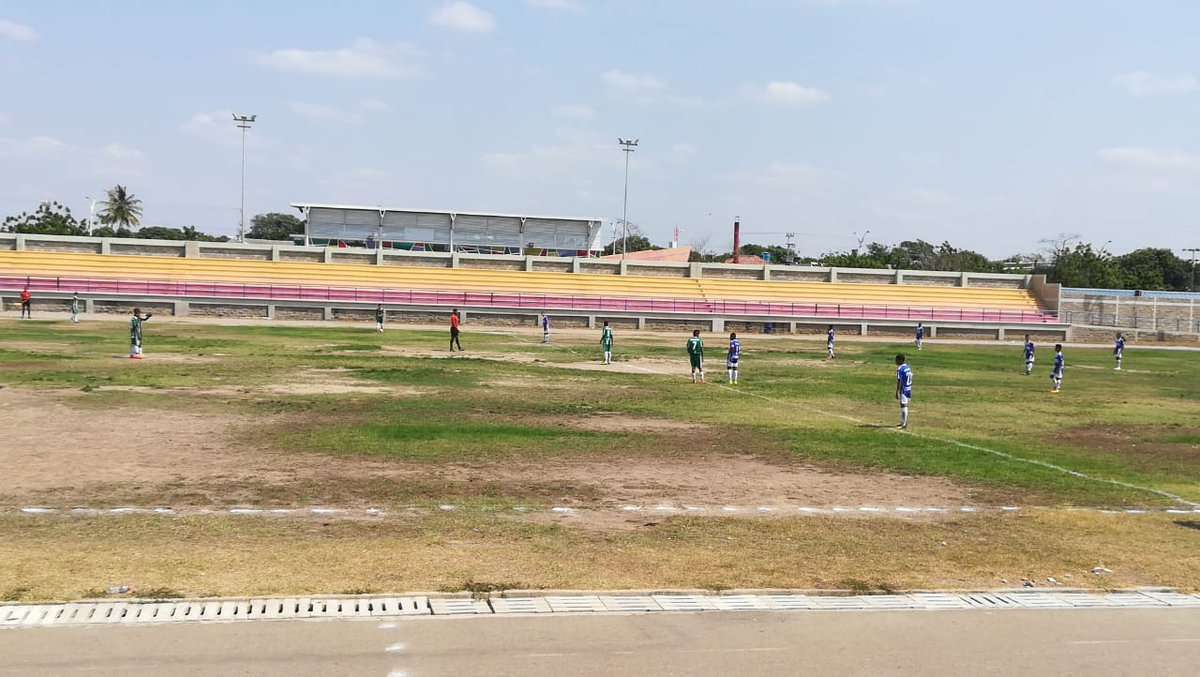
(418, 297)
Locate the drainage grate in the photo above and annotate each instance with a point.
(458, 607)
(940, 601)
(685, 602)
(741, 603)
(890, 602)
(827, 603)
(989, 600)
(575, 604)
(789, 602)
(1040, 600)
(630, 604)
(1174, 598)
(520, 605)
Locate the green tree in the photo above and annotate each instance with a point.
(1154, 269)
(121, 208)
(185, 233)
(50, 218)
(1081, 265)
(779, 254)
(634, 242)
(274, 226)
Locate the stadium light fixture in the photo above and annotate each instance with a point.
(627, 147)
(243, 122)
(91, 212)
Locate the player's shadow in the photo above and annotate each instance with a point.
(874, 426)
(1189, 524)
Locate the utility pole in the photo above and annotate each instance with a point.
(861, 239)
(91, 212)
(243, 122)
(1192, 251)
(627, 146)
(791, 247)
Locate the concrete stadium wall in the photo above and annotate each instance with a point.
(394, 257)
(1093, 308)
(58, 303)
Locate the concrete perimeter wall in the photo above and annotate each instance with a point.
(1146, 312)
(395, 257)
(51, 305)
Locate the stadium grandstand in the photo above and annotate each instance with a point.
(442, 231)
(254, 280)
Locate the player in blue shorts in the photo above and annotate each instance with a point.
(829, 336)
(920, 335)
(1119, 350)
(1056, 372)
(732, 357)
(904, 381)
(1028, 355)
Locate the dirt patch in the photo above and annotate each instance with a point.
(173, 358)
(662, 367)
(1144, 446)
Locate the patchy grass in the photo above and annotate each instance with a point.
(516, 402)
(228, 556)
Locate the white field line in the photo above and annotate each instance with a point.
(958, 443)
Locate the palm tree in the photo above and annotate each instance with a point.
(121, 208)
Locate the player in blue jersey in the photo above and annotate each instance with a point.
(1056, 372)
(545, 328)
(904, 381)
(1119, 350)
(829, 336)
(1028, 355)
(732, 357)
(920, 335)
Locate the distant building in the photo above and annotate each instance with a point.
(426, 230)
(671, 255)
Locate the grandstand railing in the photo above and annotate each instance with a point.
(518, 300)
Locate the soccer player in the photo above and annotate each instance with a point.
(904, 379)
(75, 308)
(1028, 355)
(606, 341)
(379, 318)
(1119, 350)
(135, 333)
(695, 350)
(545, 328)
(732, 357)
(829, 343)
(920, 335)
(1056, 372)
(454, 322)
(26, 307)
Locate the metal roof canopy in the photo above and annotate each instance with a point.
(452, 228)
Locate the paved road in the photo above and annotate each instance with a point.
(1089, 642)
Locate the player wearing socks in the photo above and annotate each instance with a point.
(732, 357)
(135, 333)
(904, 381)
(1119, 350)
(1028, 355)
(379, 318)
(829, 336)
(695, 350)
(545, 328)
(1056, 372)
(75, 308)
(606, 341)
(920, 335)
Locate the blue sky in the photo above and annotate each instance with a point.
(992, 125)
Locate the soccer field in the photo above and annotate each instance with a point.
(273, 459)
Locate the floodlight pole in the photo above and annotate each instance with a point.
(243, 122)
(627, 146)
(91, 212)
(1192, 251)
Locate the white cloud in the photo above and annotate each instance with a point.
(323, 113)
(1141, 83)
(116, 151)
(631, 82)
(575, 111)
(32, 147)
(793, 93)
(217, 127)
(555, 4)
(1151, 159)
(15, 31)
(463, 16)
(375, 106)
(365, 58)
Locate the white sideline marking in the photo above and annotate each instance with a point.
(631, 508)
(562, 509)
(395, 648)
(387, 626)
(37, 511)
